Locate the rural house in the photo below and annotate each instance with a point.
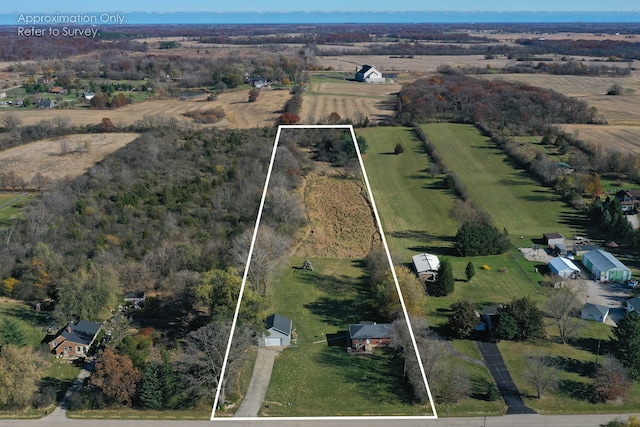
(364, 337)
(369, 74)
(426, 266)
(564, 268)
(605, 267)
(46, 103)
(88, 95)
(633, 304)
(75, 340)
(629, 200)
(595, 312)
(279, 331)
(135, 298)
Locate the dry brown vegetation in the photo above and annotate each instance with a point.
(240, 114)
(46, 156)
(340, 221)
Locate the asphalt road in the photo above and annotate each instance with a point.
(505, 421)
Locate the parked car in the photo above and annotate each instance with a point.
(632, 283)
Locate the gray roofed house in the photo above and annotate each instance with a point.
(366, 336)
(279, 331)
(75, 339)
(633, 304)
(46, 103)
(594, 312)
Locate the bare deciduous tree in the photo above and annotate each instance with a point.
(541, 373)
(269, 248)
(200, 362)
(564, 307)
(11, 121)
(611, 381)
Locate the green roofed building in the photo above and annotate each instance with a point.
(605, 267)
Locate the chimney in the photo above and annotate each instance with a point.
(69, 328)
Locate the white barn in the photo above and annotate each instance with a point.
(563, 267)
(369, 74)
(426, 266)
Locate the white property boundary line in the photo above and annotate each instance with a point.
(393, 272)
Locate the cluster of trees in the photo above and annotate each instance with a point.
(608, 215)
(518, 108)
(385, 300)
(613, 49)
(480, 238)
(571, 68)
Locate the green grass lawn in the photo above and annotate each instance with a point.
(315, 379)
(513, 199)
(413, 209)
(577, 362)
(10, 206)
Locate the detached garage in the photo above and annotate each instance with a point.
(279, 330)
(605, 267)
(564, 268)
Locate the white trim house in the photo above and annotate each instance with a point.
(369, 74)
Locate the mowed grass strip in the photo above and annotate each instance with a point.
(414, 210)
(315, 379)
(512, 198)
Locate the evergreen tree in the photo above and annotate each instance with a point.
(445, 283)
(469, 271)
(463, 320)
(626, 343)
(11, 332)
(168, 381)
(151, 388)
(521, 319)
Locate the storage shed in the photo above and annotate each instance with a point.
(595, 312)
(552, 239)
(426, 266)
(605, 267)
(564, 268)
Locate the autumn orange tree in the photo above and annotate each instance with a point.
(116, 377)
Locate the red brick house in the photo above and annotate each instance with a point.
(364, 337)
(75, 340)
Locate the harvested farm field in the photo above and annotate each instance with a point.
(334, 93)
(46, 156)
(625, 138)
(240, 113)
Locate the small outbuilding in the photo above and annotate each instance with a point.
(605, 267)
(426, 266)
(595, 312)
(279, 331)
(564, 268)
(552, 239)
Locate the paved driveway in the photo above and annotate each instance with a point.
(259, 384)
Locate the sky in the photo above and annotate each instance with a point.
(166, 6)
